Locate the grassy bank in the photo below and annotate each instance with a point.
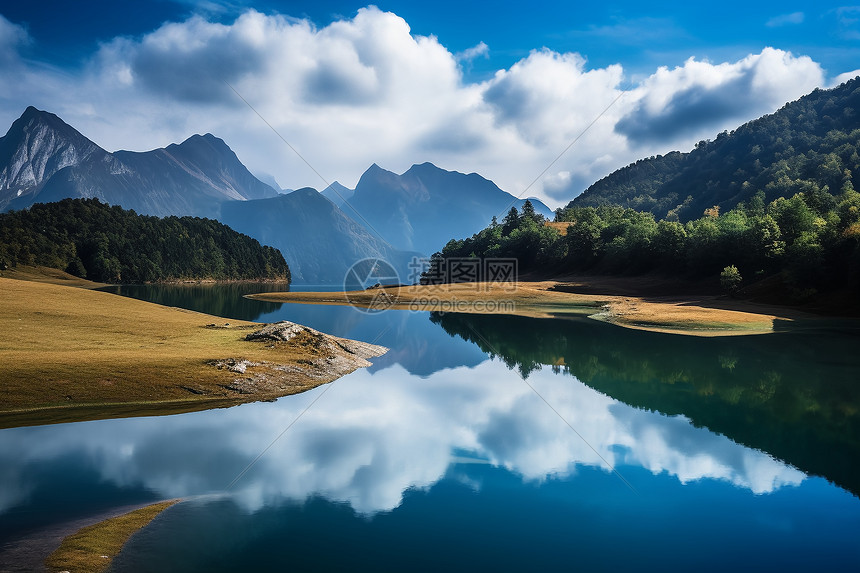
(699, 315)
(92, 549)
(74, 354)
(49, 276)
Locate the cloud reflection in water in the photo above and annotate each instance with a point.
(376, 434)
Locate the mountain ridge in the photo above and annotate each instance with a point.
(319, 241)
(424, 207)
(45, 159)
(779, 153)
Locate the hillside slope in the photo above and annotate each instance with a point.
(92, 240)
(807, 145)
(43, 159)
(421, 209)
(318, 240)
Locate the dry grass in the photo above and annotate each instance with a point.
(74, 354)
(560, 227)
(92, 549)
(47, 275)
(693, 315)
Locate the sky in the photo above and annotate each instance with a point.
(544, 98)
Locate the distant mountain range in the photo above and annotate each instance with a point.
(318, 240)
(43, 159)
(425, 207)
(395, 217)
(808, 142)
(337, 193)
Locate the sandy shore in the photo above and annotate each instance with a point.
(73, 354)
(697, 315)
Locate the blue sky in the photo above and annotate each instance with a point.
(642, 35)
(498, 90)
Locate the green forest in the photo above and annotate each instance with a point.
(775, 198)
(92, 240)
(809, 145)
(811, 241)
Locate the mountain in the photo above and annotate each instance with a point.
(318, 240)
(38, 145)
(808, 144)
(426, 206)
(269, 180)
(44, 159)
(338, 194)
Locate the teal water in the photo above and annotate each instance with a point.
(485, 443)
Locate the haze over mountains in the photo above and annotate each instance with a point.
(318, 240)
(395, 217)
(426, 206)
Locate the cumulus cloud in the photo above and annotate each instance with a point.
(700, 97)
(366, 89)
(842, 78)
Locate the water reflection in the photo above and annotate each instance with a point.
(225, 300)
(414, 341)
(375, 435)
(794, 395)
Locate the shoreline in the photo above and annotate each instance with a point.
(55, 276)
(604, 300)
(30, 551)
(93, 547)
(74, 354)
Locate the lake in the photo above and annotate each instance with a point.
(482, 443)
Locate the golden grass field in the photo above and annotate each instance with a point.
(48, 275)
(92, 549)
(692, 315)
(75, 354)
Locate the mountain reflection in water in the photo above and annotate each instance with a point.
(446, 442)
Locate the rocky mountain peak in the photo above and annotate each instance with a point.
(37, 145)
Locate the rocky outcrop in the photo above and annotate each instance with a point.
(323, 358)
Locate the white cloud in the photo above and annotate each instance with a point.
(12, 36)
(842, 78)
(786, 20)
(480, 50)
(365, 90)
(699, 99)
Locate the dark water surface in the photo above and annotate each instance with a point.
(483, 443)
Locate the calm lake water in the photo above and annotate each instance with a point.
(482, 443)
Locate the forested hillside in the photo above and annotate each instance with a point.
(109, 244)
(809, 146)
(776, 198)
(810, 241)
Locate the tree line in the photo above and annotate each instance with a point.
(92, 240)
(810, 239)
